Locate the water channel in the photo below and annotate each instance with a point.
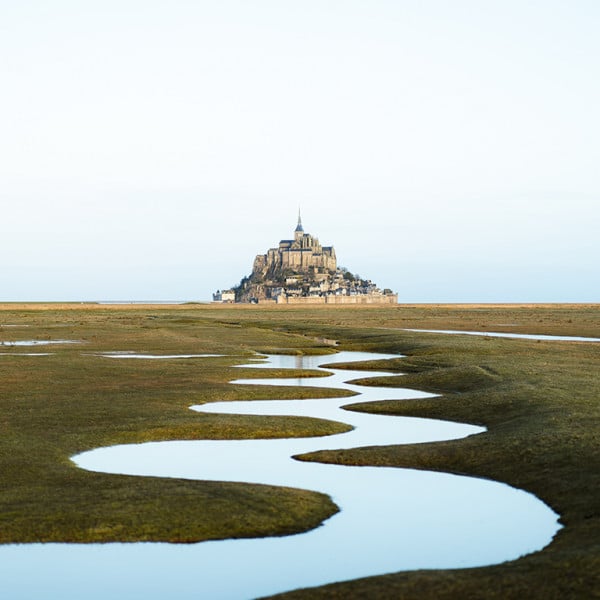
(390, 519)
(519, 336)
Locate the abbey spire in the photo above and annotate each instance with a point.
(299, 231)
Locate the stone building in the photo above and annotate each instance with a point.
(302, 271)
(224, 296)
(302, 254)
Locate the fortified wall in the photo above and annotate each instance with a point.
(332, 299)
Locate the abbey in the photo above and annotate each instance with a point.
(302, 254)
(301, 271)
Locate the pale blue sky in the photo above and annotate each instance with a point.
(448, 150)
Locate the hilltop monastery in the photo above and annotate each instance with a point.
(301, 271)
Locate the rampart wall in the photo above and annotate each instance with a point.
(359, 299)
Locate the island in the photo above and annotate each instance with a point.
(302, 271)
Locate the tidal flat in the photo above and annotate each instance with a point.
(538, 399)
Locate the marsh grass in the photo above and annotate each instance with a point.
(539, 400)
(73, 400)
(541, 404)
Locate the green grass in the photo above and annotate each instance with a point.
(539, 400)
(52, 407)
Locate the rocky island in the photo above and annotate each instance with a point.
(302, 271)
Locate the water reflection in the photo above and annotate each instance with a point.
(522, 336)
(126, 354)
(38, 342)
(390, 519)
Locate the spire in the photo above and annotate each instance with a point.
(299, 226)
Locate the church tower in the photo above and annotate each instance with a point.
(299, 231)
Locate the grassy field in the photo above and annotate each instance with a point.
(55, 406)
(539, 400)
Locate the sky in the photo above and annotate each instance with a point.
(448, 150)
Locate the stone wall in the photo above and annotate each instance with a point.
(301, 255)
(360, 299)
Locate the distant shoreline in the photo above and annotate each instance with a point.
(183, 304)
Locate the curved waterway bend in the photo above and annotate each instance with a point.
(390, 519)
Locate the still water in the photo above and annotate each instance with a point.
(38, 342)
(390, 519)
(519, 336)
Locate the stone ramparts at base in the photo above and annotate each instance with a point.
(358, 299)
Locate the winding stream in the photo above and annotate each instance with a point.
(390, 519)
